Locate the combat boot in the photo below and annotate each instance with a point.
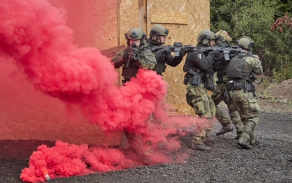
(238, 134)
(210, 139)
(200, 147)
(253, 140)
(244, 140)
(244, 144)
(225, 129)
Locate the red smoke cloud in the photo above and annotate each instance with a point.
(34, 34)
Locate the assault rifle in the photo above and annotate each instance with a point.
(131, 53)
(225, 50)
(176, 48)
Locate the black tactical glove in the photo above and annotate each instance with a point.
(217, 55)
(182, 52)
(135, 54)
(166, 50)
(136, 57)
(126, 55)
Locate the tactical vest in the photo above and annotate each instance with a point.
(160, 66)
(238, 69)
(131, 71)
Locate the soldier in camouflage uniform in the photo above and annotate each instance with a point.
(222, 40)
(163, 56)
(240, 73)
(197, 67)
(136, 56)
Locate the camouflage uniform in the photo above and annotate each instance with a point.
(242, 93)
(217, 97)
(146, 61)
(218, 93)
(196, 66)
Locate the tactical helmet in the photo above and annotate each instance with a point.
(245, 43)
(135, 33)
(205, 36)
(222, 36)
(158, 30)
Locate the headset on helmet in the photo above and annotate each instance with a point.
(205, 36)
(245, 43)
(158, 30)
(155, 32)
(222, 36)
(135, 33)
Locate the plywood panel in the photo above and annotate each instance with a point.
(95, 22)
(198, 14)
(129, 17)
(169, 17)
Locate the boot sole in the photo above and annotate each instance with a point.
(218, 134)
(244, 146)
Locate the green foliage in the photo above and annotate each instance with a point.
(284, 73)
(254, 19)
(282, 7)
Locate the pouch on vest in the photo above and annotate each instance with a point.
(235, 68)
(219, 65)
(194, 79)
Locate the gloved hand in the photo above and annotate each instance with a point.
(217, 55)
(135, 54)
(166, 50)
(136, 57)
(126, 55)
(183, 52)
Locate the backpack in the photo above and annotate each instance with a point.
(237, 69)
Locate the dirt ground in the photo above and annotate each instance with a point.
(269, 161)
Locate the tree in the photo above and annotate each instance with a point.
(253, 19)
(282, 29)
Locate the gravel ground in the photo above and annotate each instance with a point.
(269, 161)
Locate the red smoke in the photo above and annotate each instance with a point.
(34, 34)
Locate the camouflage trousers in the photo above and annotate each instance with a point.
(218, 96)
(246, 105)
(198, 98)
